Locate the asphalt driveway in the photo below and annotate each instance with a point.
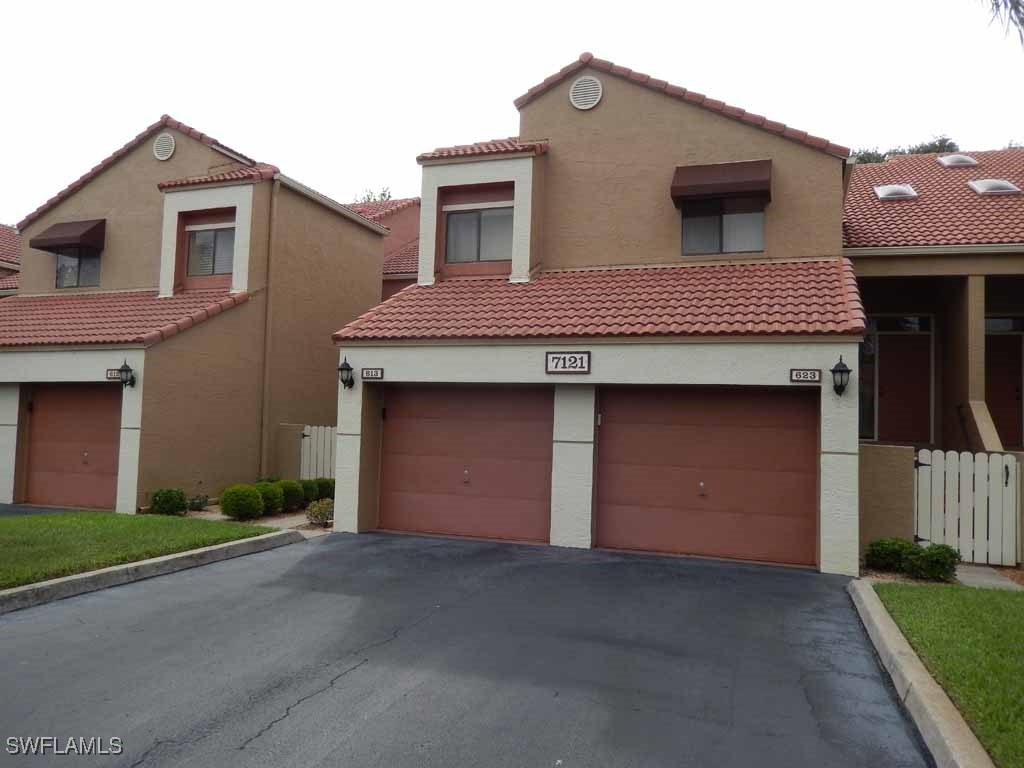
(16, 510)
(392, 651)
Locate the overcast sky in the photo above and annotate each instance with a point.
(343, 96)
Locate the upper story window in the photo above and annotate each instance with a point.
(211, 249)
(78, 268)
(730, 225)
(478, 235)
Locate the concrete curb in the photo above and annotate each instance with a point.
(16, 598)
(945, 733)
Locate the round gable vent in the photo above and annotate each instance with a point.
(163, 146)
(585, 92)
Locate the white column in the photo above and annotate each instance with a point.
(572, 466)
(839, 521)
(131, 437)
(346, 458)
(9, 397)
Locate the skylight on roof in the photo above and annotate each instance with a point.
(994, 187)
(895, 192)
(957, 161)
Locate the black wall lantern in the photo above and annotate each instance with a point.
(345, 374)
(126, 375)
(840, 376)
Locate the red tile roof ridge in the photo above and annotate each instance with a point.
(258, 172)
(587, 59)
(505, 146)
(375, 210)
(165, 121)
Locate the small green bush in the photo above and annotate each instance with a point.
(321, 512)
(325, 487)
(242, 502)
(936, 562)
(198, 502)
(168, 501)
(268, 479)
(310, 490)
(273, 497)
(889, 554)
(293, 494)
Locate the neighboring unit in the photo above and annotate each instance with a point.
(632, 354)
(10, 260)
(401, 245)
(174, 307)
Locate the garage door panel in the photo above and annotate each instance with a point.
(488, 477)
(498, 518)
(711, 533)
(696, 446)
(51, 456)
(435, 435)
(754, 449)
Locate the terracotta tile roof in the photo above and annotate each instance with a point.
(765, 298)
(258, 172)
(10, 245)
(692, 97)
(9, 283)
(946, 210)
(509, 146)
(165, 121)
(131, 317)
(379, 209)
(404, 261)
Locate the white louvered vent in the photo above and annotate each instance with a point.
(163, 146)
(585, 92)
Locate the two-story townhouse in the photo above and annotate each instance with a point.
(176, 305)
(623, 334)
(401, 244)
(10, 260)
(937, 242)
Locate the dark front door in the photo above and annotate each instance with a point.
(904, 388)
(1003, 386)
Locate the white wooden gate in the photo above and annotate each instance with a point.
(970, 502)
(317, 452)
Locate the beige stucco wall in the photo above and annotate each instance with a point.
(325, 270)
(126, 196)
(201, 405)
(609, 169)
(886, 492)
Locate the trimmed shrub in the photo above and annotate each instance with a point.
(310, 490)
(325, 487)
(268, 479)
(168, 501)
(293, 494)
(198, 502)
(889, 554)
(273, 497)
(321, 512)
(242, 502)
(936, 562)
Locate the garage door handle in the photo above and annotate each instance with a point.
(465, 477)
(85, 457)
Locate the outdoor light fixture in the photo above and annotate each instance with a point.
(345, 374)
(840, 376)
(126, 374)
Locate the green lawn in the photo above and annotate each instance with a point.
(972, 641)
(39, 547)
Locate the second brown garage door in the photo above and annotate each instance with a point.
(716, 472)
(467, 461)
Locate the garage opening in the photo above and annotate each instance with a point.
(467, 460)
(719, 472)
(74, 433)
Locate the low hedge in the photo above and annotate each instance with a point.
(273, 497)
(293, 494)
(168, 501)
(888, 554)
(325, 487)
(241, 502)
(310, 490)
(936, 562)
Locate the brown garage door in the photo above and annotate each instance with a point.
(467, 461)
(74, 432)
(717, 472)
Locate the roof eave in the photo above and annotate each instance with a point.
(345, 211)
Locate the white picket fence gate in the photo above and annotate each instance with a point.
(317, 452)
(970, 502)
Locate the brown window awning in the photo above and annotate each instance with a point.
(71, 234)
(748, 178)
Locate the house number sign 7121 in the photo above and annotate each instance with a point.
(567, 362)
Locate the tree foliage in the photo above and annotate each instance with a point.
(369, 196)
(938, 144)
(1010, 13)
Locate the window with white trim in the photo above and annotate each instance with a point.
(211, 249)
